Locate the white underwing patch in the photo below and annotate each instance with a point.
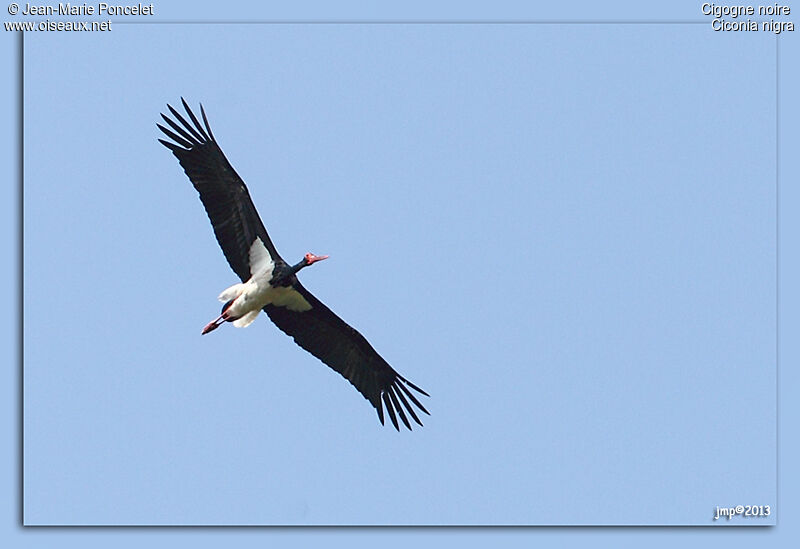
(290, 298)
(261, 263)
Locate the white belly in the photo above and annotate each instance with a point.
(256, 294)
(251, 296)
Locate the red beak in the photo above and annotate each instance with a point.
(311, 258)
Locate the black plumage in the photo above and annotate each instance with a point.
(236, 226)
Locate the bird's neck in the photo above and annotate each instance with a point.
(295, 268)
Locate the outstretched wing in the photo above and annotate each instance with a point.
(329, 338)
(223, 193)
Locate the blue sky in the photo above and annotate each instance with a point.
(564, 233)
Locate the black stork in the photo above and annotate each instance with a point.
(270, 284)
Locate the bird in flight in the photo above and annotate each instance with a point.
(270, 284)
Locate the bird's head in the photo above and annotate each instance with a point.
(311, 258)
(308, 259)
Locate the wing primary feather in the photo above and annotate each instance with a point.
(407, 406)
(413, 398)
(194, 119)
(183, 121)
(404, 380)
(399, 408)
(171, 146)
(179, 140)
(180, 130)
(390, 410)
(205, 121)
(380, 412)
